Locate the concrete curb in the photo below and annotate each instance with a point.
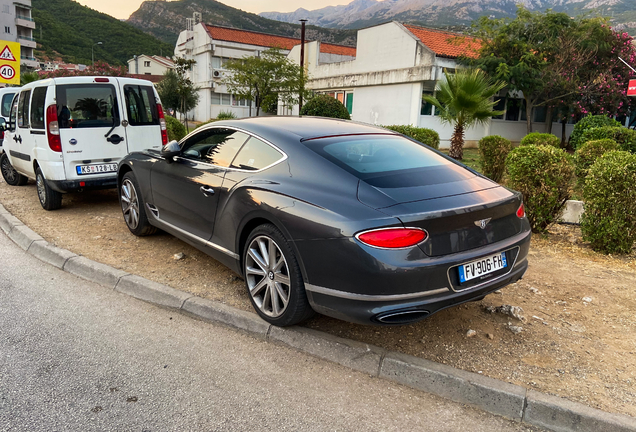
(488, 394)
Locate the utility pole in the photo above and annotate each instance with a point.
(302, 64)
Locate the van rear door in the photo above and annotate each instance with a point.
(90, 121)
(142, 113)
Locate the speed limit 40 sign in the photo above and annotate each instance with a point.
(9, 62)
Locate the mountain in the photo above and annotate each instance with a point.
(438, 13)
(67, 30)
(165, 20)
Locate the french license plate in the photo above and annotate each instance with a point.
(482, 266)
(96, 169)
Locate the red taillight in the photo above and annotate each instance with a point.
(162, 122)
(1, 134)
(393, 238)
(53, 129)
(521, 211)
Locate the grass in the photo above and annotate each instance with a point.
(471, 158)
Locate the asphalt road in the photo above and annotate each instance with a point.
(75, 356)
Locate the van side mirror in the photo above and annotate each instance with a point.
(170, 150)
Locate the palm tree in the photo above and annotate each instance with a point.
(463, 100)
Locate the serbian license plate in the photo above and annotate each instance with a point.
(482, 266)
(96, 169)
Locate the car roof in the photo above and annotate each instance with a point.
(303, 127)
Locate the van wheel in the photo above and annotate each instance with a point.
(49, 198)
(10, 175)
(133, 207)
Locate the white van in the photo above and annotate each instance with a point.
(68, 134)
(6, 97)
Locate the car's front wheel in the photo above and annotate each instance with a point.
(49, 199)
(10, 175)
(273, 278)
(132, 207)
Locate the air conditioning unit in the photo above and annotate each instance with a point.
(216, 74)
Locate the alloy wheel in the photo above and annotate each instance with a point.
(267, 276)
(129, 204)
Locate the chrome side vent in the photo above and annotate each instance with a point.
(402, 317)
(153, 210)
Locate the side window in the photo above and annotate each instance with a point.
(5, 104)
(37, 108)
(141, 106)
(23, 109)
(14, 113)
(86, 105)
(214, 146)
(256, 155)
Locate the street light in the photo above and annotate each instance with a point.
(92, 53)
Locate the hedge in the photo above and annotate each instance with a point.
(543, 174)
(176, 130)
(536, 138)
(589, 122)
(325, 106)
(609, 221)
(423, 135)
(585, 156)
(493, 150)
(626, 138)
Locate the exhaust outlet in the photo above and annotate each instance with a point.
(402, 317)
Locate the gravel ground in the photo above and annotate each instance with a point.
(579, 308)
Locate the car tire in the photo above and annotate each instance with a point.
(10, 175)
(49, 198)
(274, 282)
(133, 207)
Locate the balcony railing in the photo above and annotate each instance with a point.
(24, 17)
(28, 58)
(26, 38)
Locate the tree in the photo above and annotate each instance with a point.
(176, 90)
(464, 99)
(265, 79)
(566, 64)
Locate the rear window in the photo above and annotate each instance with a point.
(5, 104)
(86, 106)
(388, 161)
(141, 105)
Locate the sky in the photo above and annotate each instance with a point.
(122, 9)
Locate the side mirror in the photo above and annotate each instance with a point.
(170, 150)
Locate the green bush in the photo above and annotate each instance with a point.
(609, 221)
(493, 150)
(536, 138)
(543, 175)
(587, 154)
(176, 130)
(626, 138)
(589, 122)
(226, 115)
(423, 135)
(325, 106)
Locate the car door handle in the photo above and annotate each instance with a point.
(207, 191)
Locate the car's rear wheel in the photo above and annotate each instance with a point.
(10, 175)
(273, 278)
(133, 208)
(49, 199)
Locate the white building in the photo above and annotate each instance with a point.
(212, 46)
(149, 65)
(394, 66)
(17, 25)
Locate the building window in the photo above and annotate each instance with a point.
(219, 62)
(146, 64)
(427, 108)
(221, 99)
(7, 29)
(500, 105)
(5, 9)
(513, 108)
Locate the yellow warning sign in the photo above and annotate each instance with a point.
(9, 62)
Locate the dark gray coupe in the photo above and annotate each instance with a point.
(345, 219)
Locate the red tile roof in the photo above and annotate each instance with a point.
(337, 49)
(152, 78)
(446, 44)
(251, 38)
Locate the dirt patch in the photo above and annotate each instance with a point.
(578, 339)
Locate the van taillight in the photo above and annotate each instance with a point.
(162, 122)
(53, 129)
(1, 134)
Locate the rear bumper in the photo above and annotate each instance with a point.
(411, 292)
(64, 186)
